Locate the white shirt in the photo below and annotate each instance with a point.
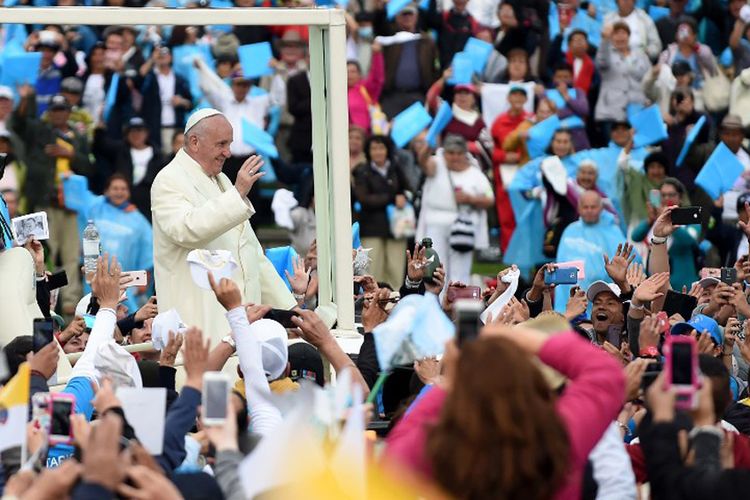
(254, 109)
(94, 95)
(166, 93)
(140, 159)
(613, 471)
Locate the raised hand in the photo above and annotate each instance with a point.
(373, 312)
(169, 353)
(635, 275)
(416, 263)
(617, 267)
(437, 283)
(651, 288)
(428, 370)
(649, 333)
(312, 328)
(105, 284)
(102, 463)
(300, 277)
(147, 311)
(249, 174)
(577, 304)
(195, 357)
(663, 226)
(227, 292)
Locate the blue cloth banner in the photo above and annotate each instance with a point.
(690, 139)
(393, 7)
(259, 139)
(442, 118)
(720, 172)
(356, 242)
(408, 123)
(649, 127)
(656, 12)
(111, 98)
(633, 109)
(183, 57)
(282, 259)
(20, 68)
(463, 69)
(254, 59)
(555, 96)
(571, 122)
(479, 51)
(540, 135)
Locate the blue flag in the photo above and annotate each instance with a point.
(555, 96)
(183, 57)
(540, 135)
(649, 127)
(408, 123)
(111, 98)
(463, 69)
(20, 68)
(393, 7)
(720, 172)
(259, 139)
(633, 109)
(690, 139)
(356, 241)
(442, 118)
(282, 259)
(655, 12)
(479, 51)
(572, 122)
(254, 59)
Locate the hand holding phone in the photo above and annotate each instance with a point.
(463, 292)
(683, 216)
(62, 406)
(138, 278)
(561, 276)
(681, 362)
(43, 333)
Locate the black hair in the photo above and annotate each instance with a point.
(379, 139)
(656, 157)
(679, 186)
(559, 131)
(714, 368)
(563, 66)
(96, 46)
(117, 176)
(355, 64)
(16, 351)
(577, 32)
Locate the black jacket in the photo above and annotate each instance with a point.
(375, 192)
(299, 105)
(151, 108)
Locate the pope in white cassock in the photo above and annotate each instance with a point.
(195, 206)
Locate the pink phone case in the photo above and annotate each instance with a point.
(57, 396)
(685, 393)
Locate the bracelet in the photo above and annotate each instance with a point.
(639, 307)
(412, 284)
(229, 340)
(649, 352)
(658, 240)
(108, 309)
(298, 296)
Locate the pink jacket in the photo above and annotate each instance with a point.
(589, 403)
(367, 89)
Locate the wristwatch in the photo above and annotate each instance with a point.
(650, 352)
(298, 296)
(230, 340)
(658, 240)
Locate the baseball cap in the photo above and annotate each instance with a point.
(168, 321)
(700, 323)
(72, 84)
(305, 363)
(219, 262)
(465, 86)
(136, 122)
(58, 103)
(273, 346)
(600, 286)
(731, 122)
(709, 281)
(49, 39)
(6, 92)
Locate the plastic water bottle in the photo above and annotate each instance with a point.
(91, 248)
(432, 258)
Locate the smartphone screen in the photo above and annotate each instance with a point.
(215, 403)
(682, 364)
(283, 316)
(679, 303)
(61, 417)
(43, 333)
(614, 335)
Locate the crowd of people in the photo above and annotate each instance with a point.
(599, 148)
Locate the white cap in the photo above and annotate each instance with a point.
(200, 115)
(588, 162)
(6, 92)
(709, 281)
(164, 323)
(219, 262)
(600, 286)
(83, 305)
(554, 171)
(272, 337)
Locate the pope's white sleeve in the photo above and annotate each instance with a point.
(101, 333)
(264, 416)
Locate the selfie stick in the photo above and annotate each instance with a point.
(378, 385)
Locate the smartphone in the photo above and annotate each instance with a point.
(681, 361)
(653, 370)
(89, 319)
(614, 335)
(467, 319)
(57, 280)
(215, 398)
(140, 278)
(679, 303)
(61, 406)
(654, 198)
(728, 275)
(43, 333)
(561, 276)
(710, 272)
(686, 215)
(283, 316)
(463, 292)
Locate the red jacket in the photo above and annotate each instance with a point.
(589, 403)
(504, 124)
(585, 75)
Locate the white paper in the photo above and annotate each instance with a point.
(145, 410)
(31, 225)
(495, 99)
(504, 298)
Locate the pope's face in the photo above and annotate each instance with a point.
(211, 148)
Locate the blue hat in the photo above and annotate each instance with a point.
(700, 323)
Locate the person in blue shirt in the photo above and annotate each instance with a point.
(123, 230)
